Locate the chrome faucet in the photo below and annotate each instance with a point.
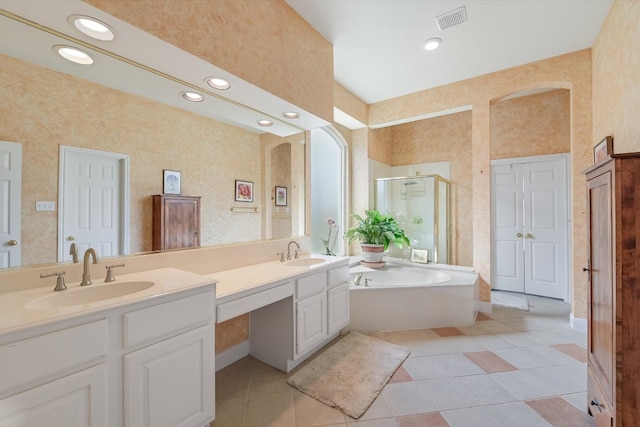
(86, 274)
(73, 251)
(357, 279)
(289, 249)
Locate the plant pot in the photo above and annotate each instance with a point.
(372, 254)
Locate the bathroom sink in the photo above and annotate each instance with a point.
(304, 262)
(89, 294)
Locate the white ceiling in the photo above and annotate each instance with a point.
(377, 44)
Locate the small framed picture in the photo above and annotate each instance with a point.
(281, 196)
(419, 255)
(171, 182)
(603, 149)
(244, 191)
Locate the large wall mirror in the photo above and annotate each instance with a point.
(131, 106)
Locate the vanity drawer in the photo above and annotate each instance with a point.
(153, 323)
(311, 285)
(338, 275)
(234, 308)
(40, 358)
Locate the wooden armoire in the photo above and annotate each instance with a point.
(613, 376)
(176, 221)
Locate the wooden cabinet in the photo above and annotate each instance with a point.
(176, 222)
(613, 194)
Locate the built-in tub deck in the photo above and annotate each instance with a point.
(405, 295)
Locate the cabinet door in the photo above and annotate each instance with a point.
(76, 400)
(338, 307)
(601, 285)
(171, 383)
(311, 321)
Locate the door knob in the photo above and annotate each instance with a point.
(71, 238)
(519, 235)
(528, 236)
(12, 242)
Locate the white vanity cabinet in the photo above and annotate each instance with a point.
(287, 332)
(56, 377)
(146, 363)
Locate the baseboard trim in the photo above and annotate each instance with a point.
(484, 307)
(578, 323)
(232, 355)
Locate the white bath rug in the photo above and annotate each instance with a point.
(510, 300)
(351, 373)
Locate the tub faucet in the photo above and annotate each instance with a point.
(86, 274)
(356, 281)
(289, 249)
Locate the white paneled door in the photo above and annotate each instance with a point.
(10, 204)
(92, 202)
(529, 211)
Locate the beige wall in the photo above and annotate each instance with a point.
(531, 125)
(572, 72)
(42, 109)
(263, 42)
(616, 78)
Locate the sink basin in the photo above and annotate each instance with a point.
(303, 262)
(89, 294)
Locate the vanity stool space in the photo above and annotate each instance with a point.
(293, 315)
(146, 363)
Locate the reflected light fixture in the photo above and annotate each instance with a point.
(218, 83)
(290, 115)
(264, 123)
(433, 43)
(92, 27)
(192, 96)
(74, 54)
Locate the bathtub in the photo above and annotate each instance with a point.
(405, 295)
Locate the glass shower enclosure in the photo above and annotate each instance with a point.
(422, 206)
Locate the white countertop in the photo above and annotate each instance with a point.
(244, 281)
(15, 314)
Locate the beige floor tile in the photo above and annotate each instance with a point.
(274, 411)
(269, 383)
(407, 399)
(310, 412)
(378, 409)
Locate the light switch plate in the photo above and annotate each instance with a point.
(45, 206)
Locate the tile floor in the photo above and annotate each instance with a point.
(512, 368)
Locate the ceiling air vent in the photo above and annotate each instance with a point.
(450, 19)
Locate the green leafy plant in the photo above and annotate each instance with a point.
(377, 229)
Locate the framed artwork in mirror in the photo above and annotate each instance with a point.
(244, 191)
(281, 196)
(603, 149)
(171, 182)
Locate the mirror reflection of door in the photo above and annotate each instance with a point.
(93, 202)
(10, 204)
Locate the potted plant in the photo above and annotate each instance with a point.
(375, 232)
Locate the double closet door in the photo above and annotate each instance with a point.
(529, 225)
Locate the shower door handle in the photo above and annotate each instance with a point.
(519, 235)
(528, 236)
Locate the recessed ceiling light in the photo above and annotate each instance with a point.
(433, 43)
(264, 123)
(290, 115)
(192, 96)
(218, 83)
(92, 27)
(74, 55)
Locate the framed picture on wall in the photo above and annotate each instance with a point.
(171, 182)
(244, 191)
(281, 196)
(603, 149)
